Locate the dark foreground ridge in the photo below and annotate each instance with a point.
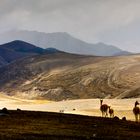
(58, 126)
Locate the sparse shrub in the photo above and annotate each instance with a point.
(116, 118)
(124, 118)
(18, 109)
(5, 110)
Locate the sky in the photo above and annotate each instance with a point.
(115, 22)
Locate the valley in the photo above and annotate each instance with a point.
(69, 70)
(88, 107)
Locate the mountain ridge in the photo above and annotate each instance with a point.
(18, 49)
(63, 42)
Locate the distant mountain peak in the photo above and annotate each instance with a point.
(100, 43)
(62, 41)
(18, 49)
(19, 43)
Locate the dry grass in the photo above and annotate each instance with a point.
(66, 76)
(46, 125)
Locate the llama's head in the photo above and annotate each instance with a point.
(136, 103)
(101, 101)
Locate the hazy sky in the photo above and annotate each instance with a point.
(114, 22)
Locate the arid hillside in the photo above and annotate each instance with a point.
(62, 76)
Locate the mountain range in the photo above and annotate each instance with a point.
(63, 42)
(28, 71)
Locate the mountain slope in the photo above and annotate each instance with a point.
(62, 41)
(23, 47)
(62, 76)
(2, 61)
(19, 49)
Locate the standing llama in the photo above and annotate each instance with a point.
(104, 109)
(111, 112)
(136, 111)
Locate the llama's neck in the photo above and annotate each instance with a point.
(101, 103)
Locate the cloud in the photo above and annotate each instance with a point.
(90, 20)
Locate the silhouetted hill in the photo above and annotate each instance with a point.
(28, 125)
(19, 49)
(10, 55)
(23, 47)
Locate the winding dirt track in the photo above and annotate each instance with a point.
(116, 77)
(125, 75)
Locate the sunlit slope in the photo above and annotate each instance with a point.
(65, 76)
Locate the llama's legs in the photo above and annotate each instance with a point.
(136, 116)
(102, 113)
(113, 115)
(106, 114)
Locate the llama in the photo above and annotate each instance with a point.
(61, 111)
(111, 112)
(136, 111)
(104, 109)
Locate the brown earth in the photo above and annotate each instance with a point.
(63, 76)
(54, 126)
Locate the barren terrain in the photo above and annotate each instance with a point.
(26, 125)
(64, 76)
